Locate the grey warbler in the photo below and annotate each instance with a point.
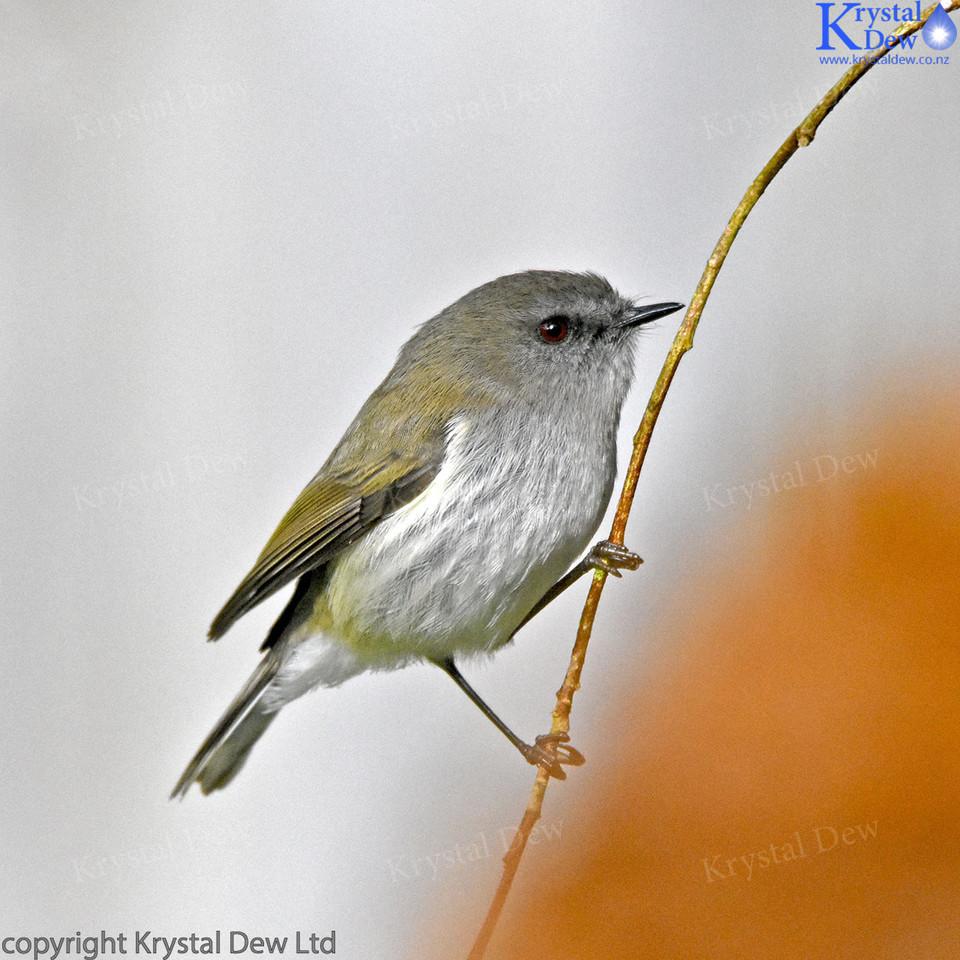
(453, 507)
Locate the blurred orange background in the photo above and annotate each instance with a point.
(787, 782)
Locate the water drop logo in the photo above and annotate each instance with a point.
(939, 31)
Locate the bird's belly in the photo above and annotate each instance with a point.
(457, 569)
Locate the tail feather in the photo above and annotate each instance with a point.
(224, 752)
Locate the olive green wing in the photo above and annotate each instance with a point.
(333, 511)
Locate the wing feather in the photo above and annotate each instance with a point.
(327, 517)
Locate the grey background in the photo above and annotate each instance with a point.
(220, 223)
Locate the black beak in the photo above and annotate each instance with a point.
(647, 313)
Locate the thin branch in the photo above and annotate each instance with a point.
(802, 136)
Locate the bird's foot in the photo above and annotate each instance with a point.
(550, 751)
(612, 557)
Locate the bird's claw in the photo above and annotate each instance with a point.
(550, 751)
(611, 557)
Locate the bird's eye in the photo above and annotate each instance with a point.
(554, 329)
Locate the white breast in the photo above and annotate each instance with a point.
(455, 570)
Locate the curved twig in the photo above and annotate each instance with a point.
(802, 136)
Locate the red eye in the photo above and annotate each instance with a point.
(554, 329)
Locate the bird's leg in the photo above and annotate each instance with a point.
(550, 749)
(605, 555)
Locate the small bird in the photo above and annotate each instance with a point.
(448, 513)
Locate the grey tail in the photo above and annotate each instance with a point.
(225, 751)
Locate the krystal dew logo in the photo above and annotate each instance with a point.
(848, 23)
